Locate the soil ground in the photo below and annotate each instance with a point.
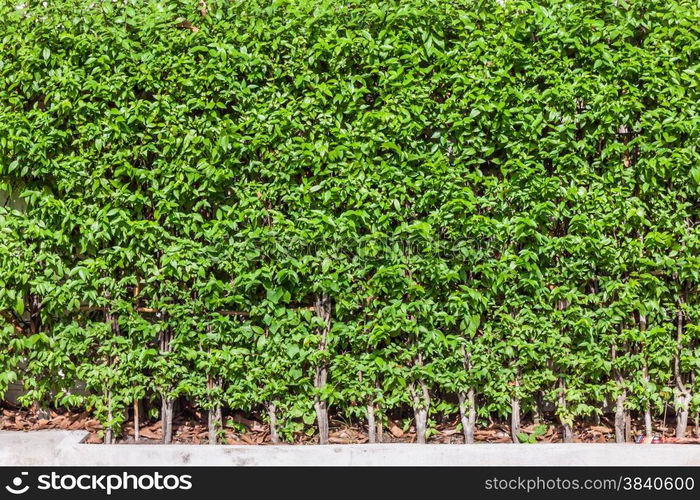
(240, 430)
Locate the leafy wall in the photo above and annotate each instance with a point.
(291, 208)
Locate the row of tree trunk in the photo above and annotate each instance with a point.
(420, 396)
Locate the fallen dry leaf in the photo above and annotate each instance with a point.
(396, 431)
(246, 439)
(338, 440)
(61, 422)
(149, 433)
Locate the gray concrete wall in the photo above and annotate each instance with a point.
(65, 448)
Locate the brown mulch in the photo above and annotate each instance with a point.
(240, 430)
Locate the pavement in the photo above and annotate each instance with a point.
(55, 447)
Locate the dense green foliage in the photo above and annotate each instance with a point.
(387, 204)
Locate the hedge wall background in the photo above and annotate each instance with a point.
(291, 208)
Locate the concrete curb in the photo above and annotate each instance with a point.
(53, 448)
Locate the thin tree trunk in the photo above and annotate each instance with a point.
(421, 415)
(620, 431)
(682, 416)
(538, 416)
(166, 409)
(514, 419)
(213, 424)
(380, 427)
(114, 324)
(109, 438)
(322, 420)
(568, 434)
(562, 304)
(421, 404)
(467, 404)
(620, 427)
(167, 419)
(214, 415)
(137, 402)
(683, 400)
(371, 424)
(272, 415)
(515, 410)
(137, 427)
(323, 310)
(566, 427)
(35, 326)
(467, 412)
(164, 417)
(648, 426)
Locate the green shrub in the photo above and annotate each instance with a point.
(291, 207)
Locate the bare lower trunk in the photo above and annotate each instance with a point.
(167, 420)
(515, 410)
(323, 310)
(322, 420)
(109, 438)
(211, 424)
(683, 400)
(567, 432)
(272, 415)
(620, 427)
(371, 424)
(538, 416)
(219, 417)
(467, 403)
(648, 428)
(620, 434)
(467, 412)
(39, 412)
(380, 430)
(137, 425)
(113, 321)
(682, 415)
(214, 414)
(164, 416)
(421, 404)
(214, 421)
(514, 419)
(421, 415)
(166, 407)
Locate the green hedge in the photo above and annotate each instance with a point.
(290, 208)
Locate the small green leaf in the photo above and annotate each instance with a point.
(19, 305)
